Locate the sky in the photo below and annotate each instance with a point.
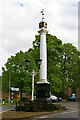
(19, 21)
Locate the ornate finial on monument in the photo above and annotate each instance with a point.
(42, 23)
(42, 14)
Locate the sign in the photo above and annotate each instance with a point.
(14, 89)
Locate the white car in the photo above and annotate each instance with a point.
(0, 99)
(54, 98)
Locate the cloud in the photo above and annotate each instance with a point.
(64, 22)
(19, 21)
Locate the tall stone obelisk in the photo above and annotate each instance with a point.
(43, 84)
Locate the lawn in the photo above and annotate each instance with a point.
(0, 103)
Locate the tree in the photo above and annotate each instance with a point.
(69, 66)
(0, 83)
(55, 48)
(62, 63)
(62, 66)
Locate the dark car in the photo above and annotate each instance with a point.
(72, 98)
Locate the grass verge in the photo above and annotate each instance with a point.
(13, 115)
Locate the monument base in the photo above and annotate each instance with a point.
(42, 91)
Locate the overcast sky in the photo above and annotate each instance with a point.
(19, 21)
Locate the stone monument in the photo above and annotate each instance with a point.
(42, 91)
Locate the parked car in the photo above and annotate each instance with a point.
(72, 98)
(48, 100)
(59, 99)
(54, 98)
(0, 99)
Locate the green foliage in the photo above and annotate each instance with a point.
(55, 83)
(0, 83)
(63, 66)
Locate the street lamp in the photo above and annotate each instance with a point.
(27, 63)
(9, 87)
(39, 61)
(33, 75)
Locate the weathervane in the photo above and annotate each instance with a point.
(42, 23)
(42, 14)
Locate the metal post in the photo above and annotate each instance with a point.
(9, 87)
(33, 74)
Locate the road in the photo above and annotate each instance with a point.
(6, 108)
(71, 112)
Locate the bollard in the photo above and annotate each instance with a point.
(3, 101)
